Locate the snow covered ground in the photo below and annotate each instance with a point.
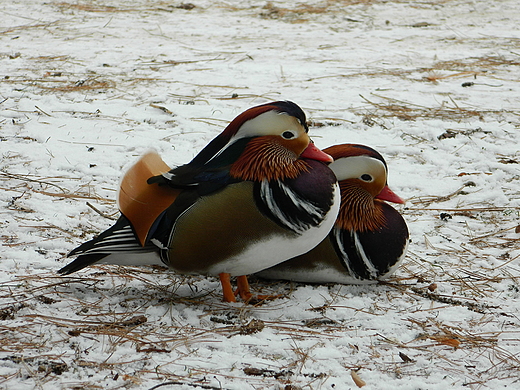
(88, 86)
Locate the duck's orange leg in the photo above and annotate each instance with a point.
(227, 290)
(243, 288)
(245, 293)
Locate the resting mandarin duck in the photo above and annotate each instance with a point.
(369, 238)
(258, 194)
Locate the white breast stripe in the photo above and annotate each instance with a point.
(267, 196)
(344, 256)
(366, 260)
(301, 204)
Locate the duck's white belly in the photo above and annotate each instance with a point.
(278, 248)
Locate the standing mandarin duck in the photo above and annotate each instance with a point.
(258, 194)
(369, 238)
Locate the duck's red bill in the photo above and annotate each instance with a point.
(313, 153)
(389, 195)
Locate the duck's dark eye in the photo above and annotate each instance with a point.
(366, 177)
(288, 134)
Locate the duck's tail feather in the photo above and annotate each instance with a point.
(116, 245)
(80, 263)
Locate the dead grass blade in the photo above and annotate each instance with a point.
(409, 111)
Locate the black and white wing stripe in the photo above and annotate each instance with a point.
(122, 240)
(287, 208)
(119, 239)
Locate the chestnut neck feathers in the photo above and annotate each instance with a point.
(266, 159)
(273, 137)
(362, 173)
(359, 210)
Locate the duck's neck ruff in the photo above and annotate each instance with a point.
(265, 159)
(358, 209)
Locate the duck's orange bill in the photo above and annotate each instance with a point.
(141, 203)
(313, 153)
(389, 195)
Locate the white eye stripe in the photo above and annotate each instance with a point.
(267, 123)
(357, 166)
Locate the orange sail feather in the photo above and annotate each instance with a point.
(141, 203)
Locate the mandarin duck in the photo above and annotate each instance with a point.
(369, 238)
(258, 194)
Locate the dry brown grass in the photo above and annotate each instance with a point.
(24, 297)
(95, 6)
(463, 67)
(394, 108)
(302, 12)
(120, 327)
(50, 183)
(63, 85)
